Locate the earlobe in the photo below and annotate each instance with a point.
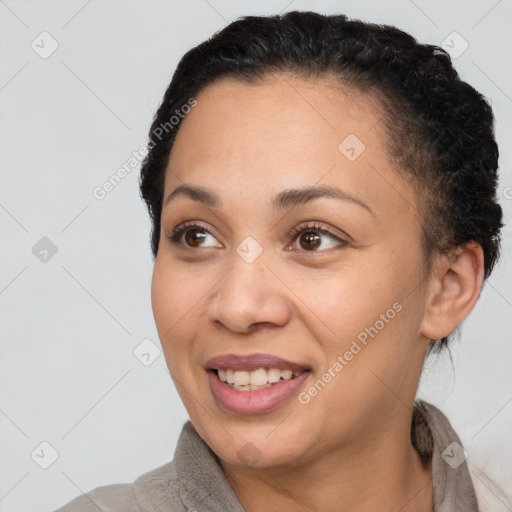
(456, 282)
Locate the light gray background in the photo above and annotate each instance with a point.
(69, 326)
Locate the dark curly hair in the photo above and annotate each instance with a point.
(439, 129)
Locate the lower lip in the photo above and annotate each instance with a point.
(254, 402)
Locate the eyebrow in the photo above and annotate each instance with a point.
(286, 199)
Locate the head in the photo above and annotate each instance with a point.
(357, 288)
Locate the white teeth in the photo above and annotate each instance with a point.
(241, 378)
(249, 387)
(286, 374)
(256, 379)
(273, 374)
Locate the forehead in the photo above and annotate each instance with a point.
(280, 110)
(282, 132)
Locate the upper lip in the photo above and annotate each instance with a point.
(251, 362)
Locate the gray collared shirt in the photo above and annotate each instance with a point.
(194, 480)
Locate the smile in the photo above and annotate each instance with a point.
(254, 380)
(254, 384)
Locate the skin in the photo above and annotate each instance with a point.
(351, 443)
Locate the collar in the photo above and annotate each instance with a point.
(202, 484)
(433, 437)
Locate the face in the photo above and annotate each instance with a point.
(291, 265)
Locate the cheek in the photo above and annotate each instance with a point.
(367, 323)
(164, 300)
(173, 297)
(343, 304)
(174, 293)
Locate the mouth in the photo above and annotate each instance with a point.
(261, 378)
(256, 383)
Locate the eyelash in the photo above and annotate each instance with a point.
(315, 227)
(294, 234)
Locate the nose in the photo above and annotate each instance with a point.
(249, 295)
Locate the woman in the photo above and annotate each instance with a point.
(322, 193)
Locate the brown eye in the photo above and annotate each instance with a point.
(312, 237)
(310, 240)
(192, 236)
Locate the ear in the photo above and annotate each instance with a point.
(456, 280)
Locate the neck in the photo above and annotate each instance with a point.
(382, 473)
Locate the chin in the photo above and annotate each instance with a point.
(256, 444)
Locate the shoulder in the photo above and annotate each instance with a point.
(488, 494)
(119, 496)
(103, 498)
(491, 498)
(156, 490)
